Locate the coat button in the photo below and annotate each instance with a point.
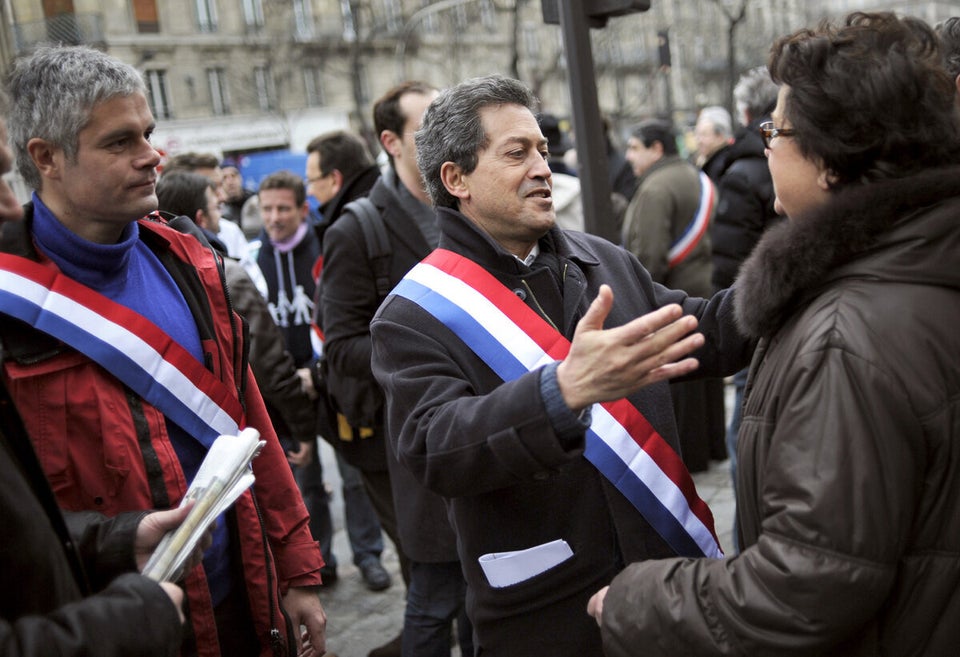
(520, 292)
(98, 500)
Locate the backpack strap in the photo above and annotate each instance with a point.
(377, 241)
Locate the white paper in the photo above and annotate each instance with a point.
(508, 568)
(223, 476)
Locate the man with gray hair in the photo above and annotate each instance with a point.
(713, 133)
(495, 364)
(140, 363)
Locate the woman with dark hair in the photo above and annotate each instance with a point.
(849, 446)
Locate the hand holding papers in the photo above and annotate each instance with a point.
(223, 476)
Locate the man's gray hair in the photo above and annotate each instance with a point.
(452, 130)
(53, 91)
(719, 118)
(756, 93)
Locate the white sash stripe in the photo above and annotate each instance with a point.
(517, 342)
(484, 311)
(130, 344)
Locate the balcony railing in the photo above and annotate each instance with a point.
(68, 29)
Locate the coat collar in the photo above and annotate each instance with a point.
(862, 230)
(459, 234)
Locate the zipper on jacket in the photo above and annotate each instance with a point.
(533, 298)
(276, 637)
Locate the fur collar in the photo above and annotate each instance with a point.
(796, 256)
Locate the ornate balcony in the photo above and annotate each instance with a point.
(68, 29)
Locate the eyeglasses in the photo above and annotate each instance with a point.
(768, 131)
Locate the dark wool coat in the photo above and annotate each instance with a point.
(490, 448)
(349, 302)
(745, 207)
(849, 457)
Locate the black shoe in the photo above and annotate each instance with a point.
(375, 575)
(328, 574)
(390, 649)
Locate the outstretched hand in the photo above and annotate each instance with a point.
(608, 364)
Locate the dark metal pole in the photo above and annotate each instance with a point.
(587, 123)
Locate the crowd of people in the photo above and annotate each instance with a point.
(516, 404)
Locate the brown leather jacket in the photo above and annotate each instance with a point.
(849, 452)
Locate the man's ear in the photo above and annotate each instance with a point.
(44, 156)
(390, 142)
(200, 218)
(337, 180)
(451, 175)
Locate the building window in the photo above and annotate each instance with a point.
(253, 14)
(313, 86)
(145, 16)
(266, 91)
(157, 94)
(394, 15)
(488, 15)
(430, 24)
(206, 15)
(303, 19)
(219, 94)
(349, 24)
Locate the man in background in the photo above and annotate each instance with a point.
(207, 164)
(744, 211)
(339, 169)
(288, 252)
(666, 227)
(713, 134)
(413, 516)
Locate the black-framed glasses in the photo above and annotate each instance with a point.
(768, 131)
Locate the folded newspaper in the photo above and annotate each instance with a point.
(223, 476)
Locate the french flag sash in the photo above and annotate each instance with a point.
(513, 340)
(697, 227)
(123, 342)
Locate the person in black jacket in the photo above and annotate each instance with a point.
(339, 170)
(350, 299)
(496, 421)
(744, 211)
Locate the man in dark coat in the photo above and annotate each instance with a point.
(350, 299)
(744, 211)
(492, 412)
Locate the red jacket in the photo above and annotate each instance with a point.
(109, 450)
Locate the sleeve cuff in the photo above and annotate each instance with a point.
(567, 425)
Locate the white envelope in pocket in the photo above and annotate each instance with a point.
(508, 568)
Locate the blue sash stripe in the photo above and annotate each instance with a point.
(616, 471)
(469, 330)
(124, 367)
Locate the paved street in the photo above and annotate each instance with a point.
(359, 620)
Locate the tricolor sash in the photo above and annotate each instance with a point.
(697, 227)
(123, 342)
(513, 340)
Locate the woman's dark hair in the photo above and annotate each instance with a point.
(869, 98)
